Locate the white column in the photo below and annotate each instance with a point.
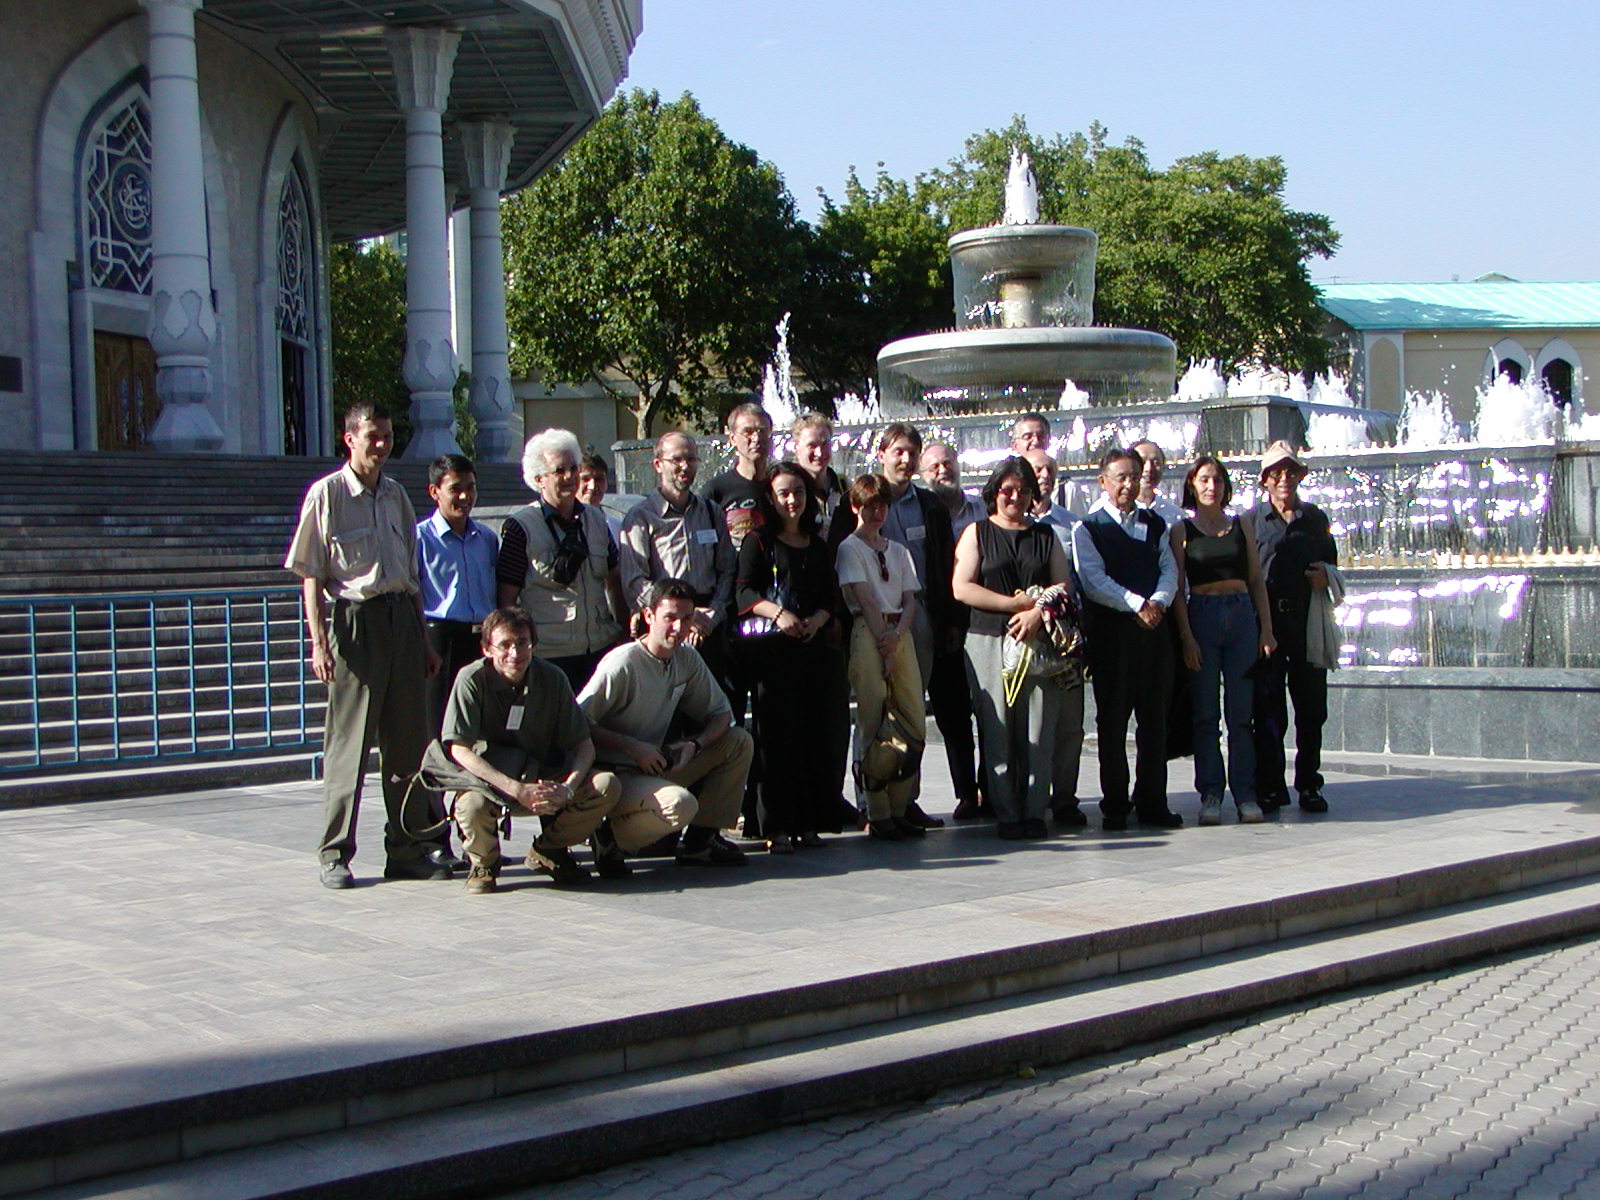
(423, 60)
(488, 152)
(183, 320)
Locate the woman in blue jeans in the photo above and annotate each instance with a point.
(1224, 625)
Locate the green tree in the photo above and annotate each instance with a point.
(1205, 251)
(367, 330)
(656, 252)
(877, 270)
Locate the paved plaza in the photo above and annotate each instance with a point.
(175, 946)
(1479, 1083)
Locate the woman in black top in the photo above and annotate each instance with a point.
(788, 603)
(1224, 626)
(997, 560)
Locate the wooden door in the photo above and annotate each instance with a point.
(126, 405)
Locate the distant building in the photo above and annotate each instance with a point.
(175, 170)
(1453, 338)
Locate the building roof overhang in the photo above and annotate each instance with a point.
(545, 66)
(1490, 303)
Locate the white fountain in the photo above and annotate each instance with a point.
(1024, 303)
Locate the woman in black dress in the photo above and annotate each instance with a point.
(788, 603)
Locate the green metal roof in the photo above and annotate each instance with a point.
(1481, 304)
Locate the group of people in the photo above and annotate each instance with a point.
(640, 685)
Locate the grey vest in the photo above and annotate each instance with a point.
(571, 619)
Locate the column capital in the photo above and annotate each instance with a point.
(423, 61)
(486, 146)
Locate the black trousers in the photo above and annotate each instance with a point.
(1133, 674)
(951, 700)
(459, 645)
(1285, 675)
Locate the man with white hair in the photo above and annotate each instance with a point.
(1030, 431)
(558, 562)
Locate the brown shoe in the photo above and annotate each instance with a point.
(558, 863)
(480, 881)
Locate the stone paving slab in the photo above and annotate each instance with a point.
(1474, 1083)
(170, 946)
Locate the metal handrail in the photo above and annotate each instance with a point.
(186, 720)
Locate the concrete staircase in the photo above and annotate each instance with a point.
(133, 581)
(76, 523)
(476, 1117)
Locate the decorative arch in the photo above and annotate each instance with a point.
(68, 305)
(294, 361)
(1507, 351)
(1386, 385)
(1557, 362)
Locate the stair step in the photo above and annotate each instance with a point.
(511, 1119)
(71, 783)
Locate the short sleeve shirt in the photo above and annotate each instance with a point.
(858, 562)
(634, 693)
(548, 724)
(360, 542)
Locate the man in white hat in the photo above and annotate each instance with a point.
(1294, 541)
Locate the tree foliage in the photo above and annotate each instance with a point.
(1205, 252)
(656, 252)
(877, 271)
(367, 330)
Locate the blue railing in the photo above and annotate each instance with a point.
(142, 676)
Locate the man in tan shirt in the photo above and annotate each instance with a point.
(356, 544)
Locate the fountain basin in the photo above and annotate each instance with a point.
(974, 370)
(1016, 276)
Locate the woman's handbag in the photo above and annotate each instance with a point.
(1058, 651)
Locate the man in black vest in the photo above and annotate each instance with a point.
(1129, 577)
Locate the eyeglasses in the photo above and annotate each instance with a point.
(680, 462)
(883, 565)
(521, 643)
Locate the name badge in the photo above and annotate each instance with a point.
(915, 533)
(1138, 530)
(706, 537)
(514, 717)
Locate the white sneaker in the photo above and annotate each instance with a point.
(1211, 810)
(1250, 813)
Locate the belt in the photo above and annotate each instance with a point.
(446, 623)
(381, 598)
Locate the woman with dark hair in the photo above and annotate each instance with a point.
(1005, 569)
(787, 597)
(1224, 626)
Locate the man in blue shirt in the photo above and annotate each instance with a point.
(456, 557)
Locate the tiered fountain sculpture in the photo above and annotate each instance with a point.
(1024, 306)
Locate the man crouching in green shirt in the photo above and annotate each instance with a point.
(514, 741)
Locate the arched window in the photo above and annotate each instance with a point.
(114, 261)
(115, 196)
(1557, 376)
(296, 318)
(1510, 368)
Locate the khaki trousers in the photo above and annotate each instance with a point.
(477, 818)
(875, 689)
(707, 791)
(375, 698)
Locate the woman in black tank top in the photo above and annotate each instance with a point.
(1224, 625)
(995, 560)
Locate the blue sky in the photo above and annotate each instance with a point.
(1443, 139)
